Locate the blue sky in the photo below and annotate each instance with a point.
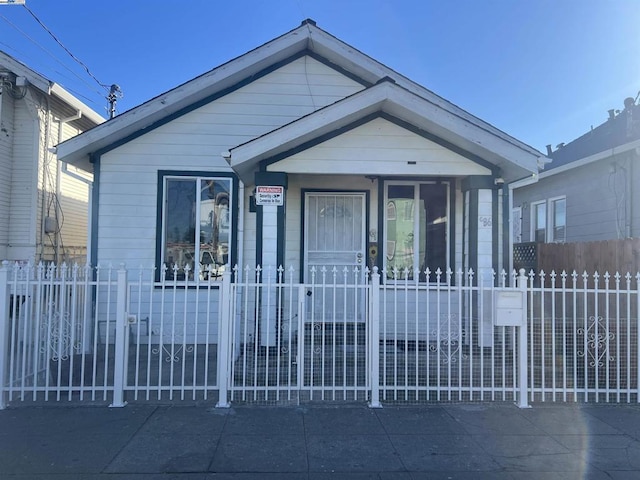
(544, 71)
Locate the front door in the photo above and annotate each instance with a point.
(335, 255)
(332, 341)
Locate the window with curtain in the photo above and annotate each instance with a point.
(417, 220)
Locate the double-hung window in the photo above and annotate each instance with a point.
(558, 214)
(539, 221)
(549, 220)
(196, 226)
(416, 229)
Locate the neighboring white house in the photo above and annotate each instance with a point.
(43, 204)
(303, 152)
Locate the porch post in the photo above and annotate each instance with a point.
(224, 340)
(523, 368)
(122, 327)
(270, 252)
(374, 339)
(4, 330)
(482, 241)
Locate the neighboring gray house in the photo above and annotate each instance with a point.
(43, 204)
(589, 191)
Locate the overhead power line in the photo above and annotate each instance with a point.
(77, 60)
(48, 52)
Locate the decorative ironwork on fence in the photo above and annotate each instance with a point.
(113, 335)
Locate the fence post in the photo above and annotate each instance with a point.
(224, 340)
(4, 330)
(119, 374)
(374, 343)
(523, 367)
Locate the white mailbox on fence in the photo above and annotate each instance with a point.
(509, 308)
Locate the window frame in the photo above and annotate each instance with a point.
(534, 220)
(164, 176)
(449, 230)
(551, 215)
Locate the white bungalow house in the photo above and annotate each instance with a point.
(43, 203)
(303, 153)
(370, 168)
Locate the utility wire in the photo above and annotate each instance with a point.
(106, 87)
(19, 30)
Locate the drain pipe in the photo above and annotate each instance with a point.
(64, 168)
(240, 240)
(65, 165)
(512, 186)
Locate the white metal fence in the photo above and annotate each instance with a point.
(583, 337)
(261, 335)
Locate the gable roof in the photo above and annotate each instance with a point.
(306, 39)
(618, 130)
(390, 100)
(88, 119)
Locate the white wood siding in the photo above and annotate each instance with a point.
(6, 166)
(74, 198)
(128, 178)
(459, 209)
(485, 233)
(380, 148)
(22, 215)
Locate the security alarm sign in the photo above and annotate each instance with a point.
(269, 195)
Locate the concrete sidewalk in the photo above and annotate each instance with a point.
(471, 441)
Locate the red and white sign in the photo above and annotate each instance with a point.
(269, 195)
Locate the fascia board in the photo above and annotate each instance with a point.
(76, 104)
(470, 136)
(76, 149)
(591, 158)
(328, 46)
(524, 182)
(397, 101)
(21, 70)
(313, 125)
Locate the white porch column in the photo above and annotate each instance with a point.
(481, 233)
(270, 253)
(268, 308)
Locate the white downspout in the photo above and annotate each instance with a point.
(65, 169)
(512, 186)
(240, 229)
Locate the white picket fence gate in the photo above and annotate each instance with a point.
(113, 336)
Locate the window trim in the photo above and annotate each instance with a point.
(450, 187)
(550, 211)
(163, 176)
(534, 220)
(551, 219)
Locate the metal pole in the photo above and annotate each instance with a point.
(522, 346)
(4, 330)
(122, 327)
(374, 342)
(224, 340)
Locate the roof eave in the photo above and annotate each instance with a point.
(512, 161)
(305, 37)
(78, 149)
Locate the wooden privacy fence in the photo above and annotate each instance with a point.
(605, 256)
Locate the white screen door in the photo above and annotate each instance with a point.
(334, 237)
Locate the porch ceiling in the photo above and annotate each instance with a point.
(507, 159)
